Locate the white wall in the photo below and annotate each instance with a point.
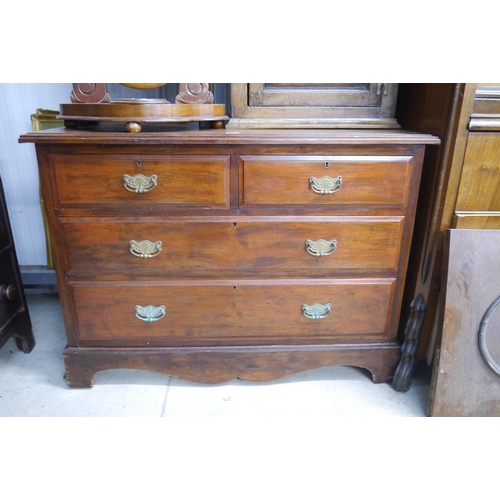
(18, 166)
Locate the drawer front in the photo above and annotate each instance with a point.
(152, 248)
(134, 181)
(324, 180)
(209, 311)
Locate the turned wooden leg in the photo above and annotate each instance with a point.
(217, 124)
(133, 127)
(403, 377)
(23, 335)
(70, 124)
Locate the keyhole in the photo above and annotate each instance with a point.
(326, 164)
(234, 224)
(234, 288)
(139, 163)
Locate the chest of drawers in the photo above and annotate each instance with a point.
(211, 255)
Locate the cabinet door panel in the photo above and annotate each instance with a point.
(314, 94)
(480, 182)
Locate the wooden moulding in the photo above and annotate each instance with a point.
(306, 105)
(138, 112)
(486, 112)
(221, 364)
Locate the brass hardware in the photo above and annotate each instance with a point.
(325, 185)
(381, 87)
(139, 183)
(149, 313)
(316, 311)
(320, 248)
(145, 249)
(7, 292)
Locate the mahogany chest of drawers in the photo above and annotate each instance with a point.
(210, 255)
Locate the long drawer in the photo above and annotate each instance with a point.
(142, 180)
(155, 249)
(201, 311)
(324, 180)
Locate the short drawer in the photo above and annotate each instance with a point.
(147, 180)
(155, 249)
(324, 180)
(204, 311)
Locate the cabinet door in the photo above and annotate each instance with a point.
(314, 94)
(480, 181)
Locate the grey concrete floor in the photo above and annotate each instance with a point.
(33, 385)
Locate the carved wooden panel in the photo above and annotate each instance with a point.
(314, 94)
(323, 105)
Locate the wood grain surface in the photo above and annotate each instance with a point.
(463, 384)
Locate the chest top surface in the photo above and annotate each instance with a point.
(111, 135)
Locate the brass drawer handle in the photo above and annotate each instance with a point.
(316, 311)
(320, 248)
(139, 183)
(325, 185)
(149, 313)
(145, 249)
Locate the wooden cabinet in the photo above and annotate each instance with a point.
(211, 255)
(478, 200)
(324, 105)
(15, 320)
(461, 181)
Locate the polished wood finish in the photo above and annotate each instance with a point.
(278, 180)
(89, 93)
(90, 104)
(233, 276)
(195, 246)
(463, 384)
(214, 312)
(214, 365)
(480, 181)
(317, 105)
(15, 320)
(187, 180)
